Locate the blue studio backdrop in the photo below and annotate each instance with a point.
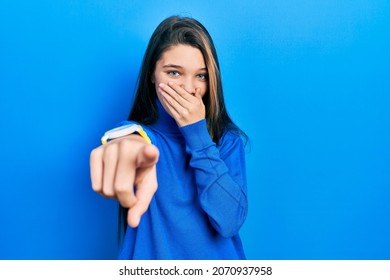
(307, 80)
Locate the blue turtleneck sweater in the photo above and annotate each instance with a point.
(200, 203)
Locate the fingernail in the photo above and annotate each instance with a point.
(170, 83)
(161, 85)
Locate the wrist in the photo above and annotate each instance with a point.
(125, 131)
(196, 135)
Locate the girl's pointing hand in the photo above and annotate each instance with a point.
(125, 169)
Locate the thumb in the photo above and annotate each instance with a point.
(197, 93)
(146, 160)
(147, 156)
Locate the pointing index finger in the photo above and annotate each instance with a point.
(145, 191)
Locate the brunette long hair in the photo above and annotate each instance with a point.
(173, 31)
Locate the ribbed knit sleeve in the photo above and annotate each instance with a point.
(220, 176)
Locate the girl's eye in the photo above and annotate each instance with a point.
(173, 73)
(202, 76)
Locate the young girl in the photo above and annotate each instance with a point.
(179, 136)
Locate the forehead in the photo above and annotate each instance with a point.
(185, 56)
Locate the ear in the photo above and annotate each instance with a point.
(152, 79)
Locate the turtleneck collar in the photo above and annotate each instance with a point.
(165, 122)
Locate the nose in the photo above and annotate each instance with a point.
(189, 85)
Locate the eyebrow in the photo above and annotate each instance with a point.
(179, 67)
(172, 66)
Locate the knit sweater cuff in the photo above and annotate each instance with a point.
(196, 135)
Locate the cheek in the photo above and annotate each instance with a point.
(163, 78)
(157, 78)
(203, 89)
